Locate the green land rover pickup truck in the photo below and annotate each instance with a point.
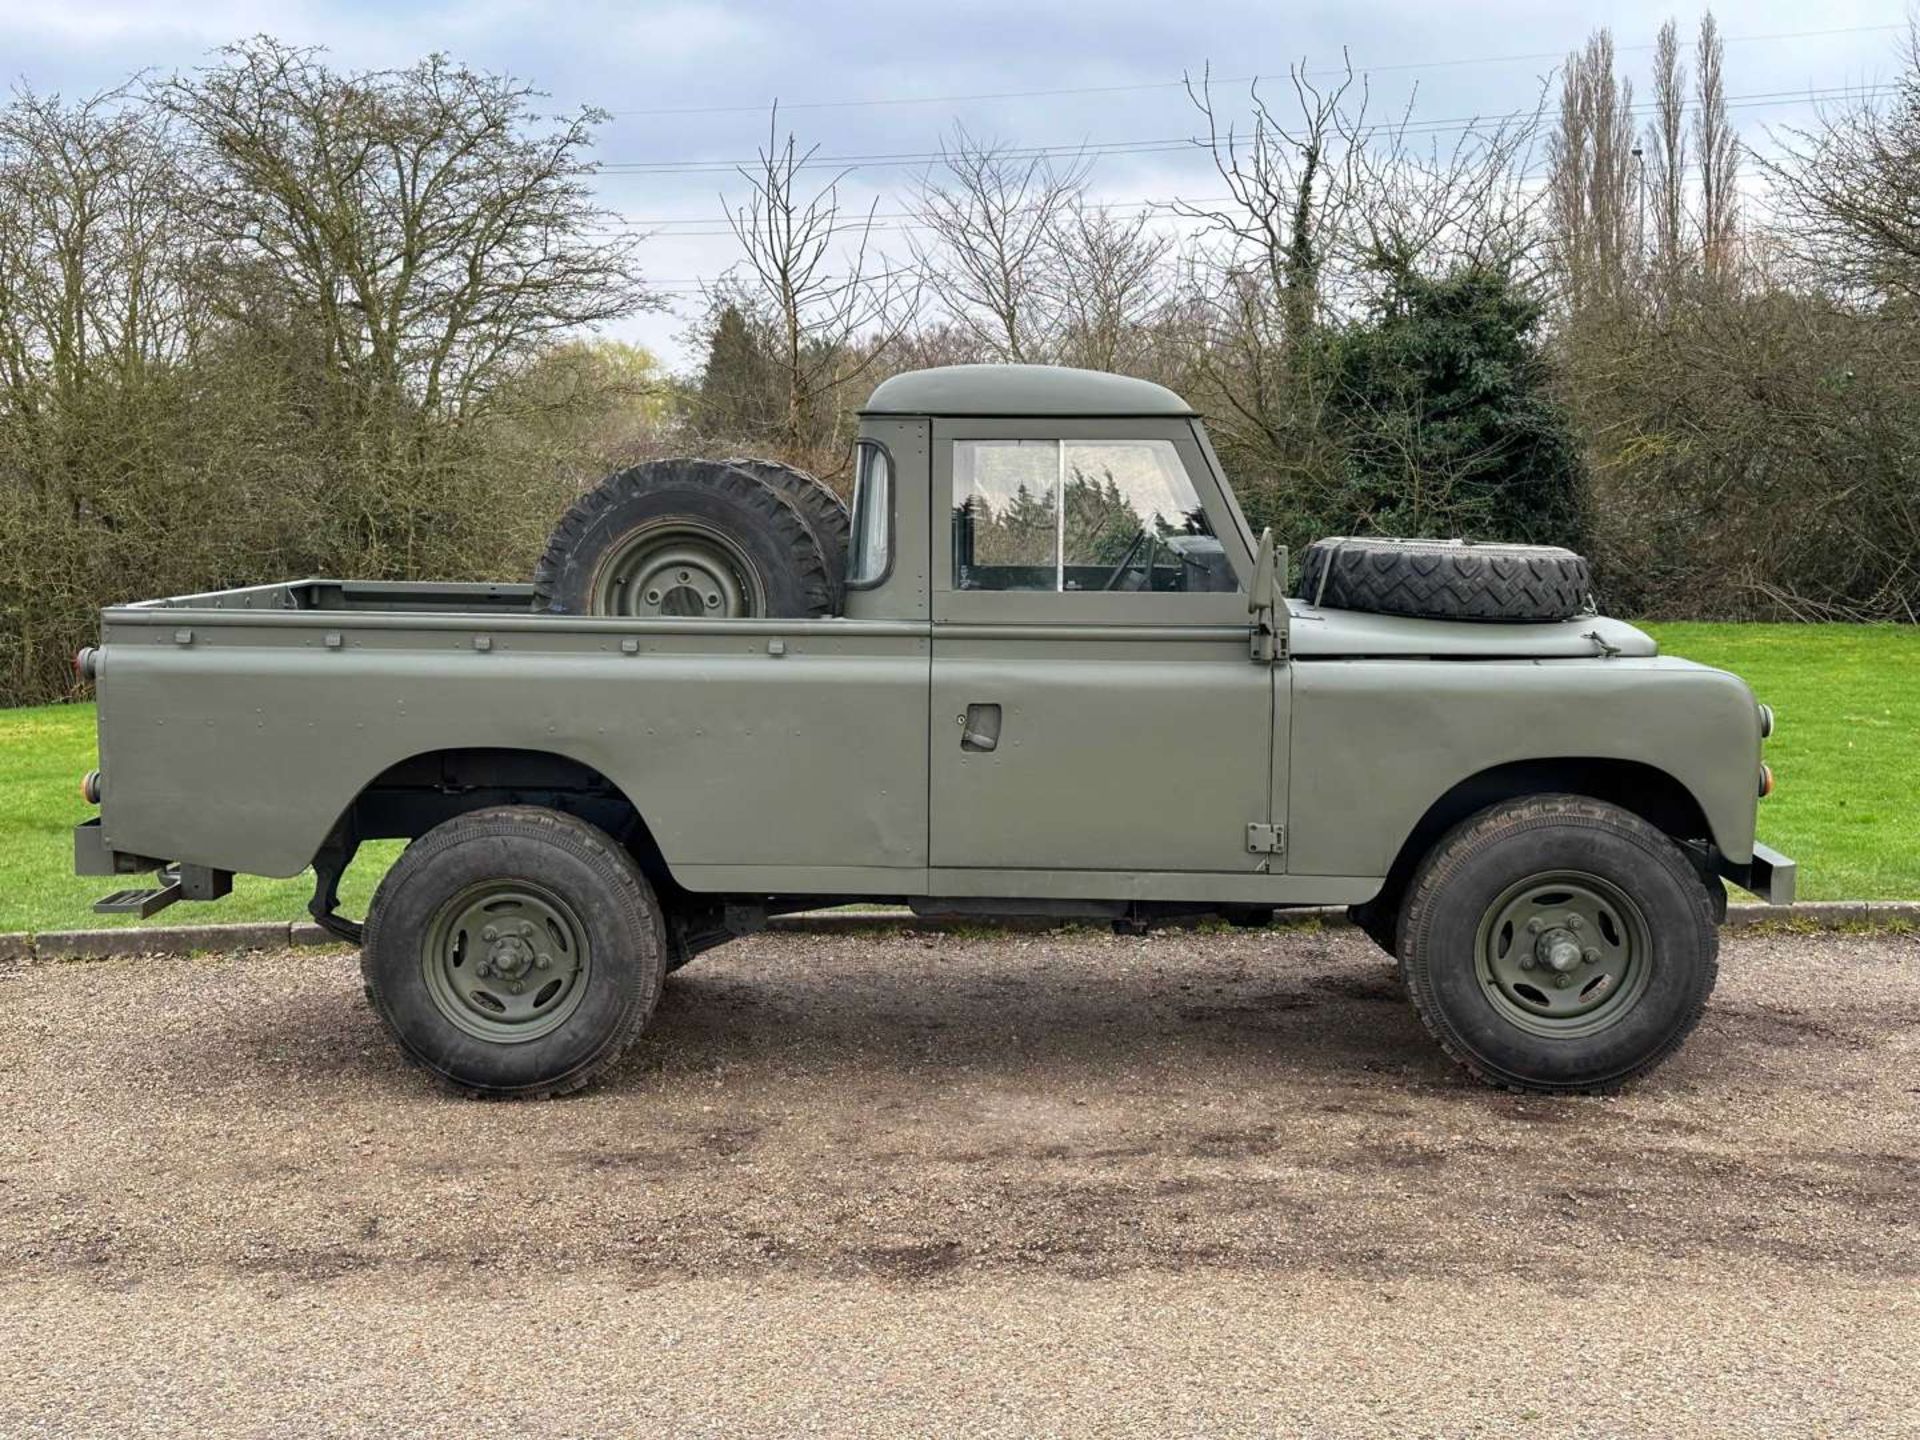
(1043, 667)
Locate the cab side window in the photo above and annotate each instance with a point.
(1082, 515)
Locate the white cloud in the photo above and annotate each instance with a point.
(205, 23)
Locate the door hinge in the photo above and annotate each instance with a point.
(1266, 839)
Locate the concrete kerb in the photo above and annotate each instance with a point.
(20, 949)
(157, 940)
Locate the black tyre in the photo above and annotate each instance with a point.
(825, 514)
(514, 952)
(685, 538)
(1446, 579)
(1558, 944)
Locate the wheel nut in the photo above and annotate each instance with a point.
(516, 987)
(1590, 955)
(489, 933)
(483, 970)
(1562, 981)
(1526, 962)
(1536, 925)
(526, 928)
(1573, 922)
(542, 960)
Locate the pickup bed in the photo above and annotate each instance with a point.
(1535, 817)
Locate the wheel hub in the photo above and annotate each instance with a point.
(1563, 953)
(511, 956)
(677, 568)
(1558, 950)
(506, 960)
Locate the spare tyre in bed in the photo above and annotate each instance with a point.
(825, 512)
(690, 539)
(1446, 579)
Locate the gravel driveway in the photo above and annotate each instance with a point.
(1067, 1184)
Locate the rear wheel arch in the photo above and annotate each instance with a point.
(412, 796)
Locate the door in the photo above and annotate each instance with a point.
(1095, 704)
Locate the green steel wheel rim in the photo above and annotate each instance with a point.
(677, 567)
(1564, 954)
(506, 961)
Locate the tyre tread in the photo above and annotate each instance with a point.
(603, 853)
(1446, 579)
(823, 511)
(1479, 832)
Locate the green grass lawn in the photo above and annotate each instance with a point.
(1846, 756)
(44, 750)
(1845, 751)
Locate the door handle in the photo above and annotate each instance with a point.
(980, 728)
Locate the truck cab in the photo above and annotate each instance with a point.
(1097, 729)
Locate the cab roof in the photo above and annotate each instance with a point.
(1018, 391)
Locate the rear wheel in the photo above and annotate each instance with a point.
(514, 952)
(1558, 944)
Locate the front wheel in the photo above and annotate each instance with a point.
(514, 952)
(1558, 943)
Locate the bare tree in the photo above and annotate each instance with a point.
(411, 215)
(1467, 204)
(819, 308)
(1666, 142)
(992, 214)
(1845, 189)
(1719, 156)
(1108, 282)
(94, 250)
(112, 419)
(1591, 172)
(1292, 187)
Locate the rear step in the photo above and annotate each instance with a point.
(177, 882)
(140, 902)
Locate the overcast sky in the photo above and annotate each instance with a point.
(689, 82)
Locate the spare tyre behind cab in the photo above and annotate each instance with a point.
(1446, 579)
(689, 539)
(825, 513)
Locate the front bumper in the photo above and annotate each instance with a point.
(1770, 875)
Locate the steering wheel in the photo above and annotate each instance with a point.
(1133, 547)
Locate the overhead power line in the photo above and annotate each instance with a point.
(1392, 68)
(1095, 151)
(663, 224)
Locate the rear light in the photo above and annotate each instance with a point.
(1766, 721)
(90, 787)
(86, 664)
(1766, 781)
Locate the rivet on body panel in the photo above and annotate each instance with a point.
(776, 648)
(483, 642)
